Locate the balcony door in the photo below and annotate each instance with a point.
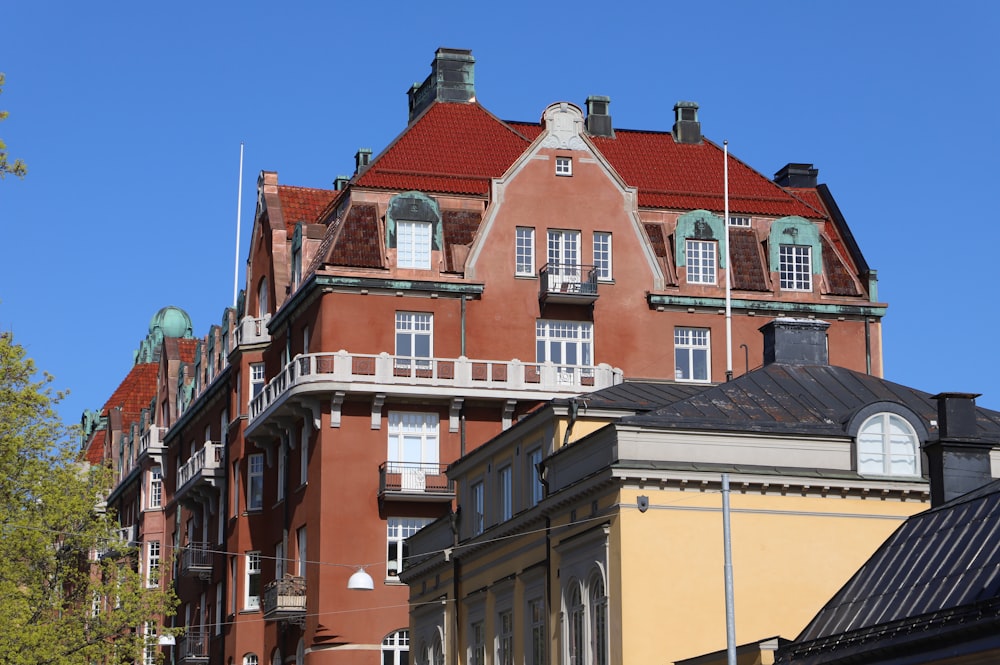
(564, 260)
(413, 448)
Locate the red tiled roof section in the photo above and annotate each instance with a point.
(134, 393)
(451, 148)
(838, 279)
(186, 349)
(460, 228)
(748, 266)
(357, 244)
(303, 204)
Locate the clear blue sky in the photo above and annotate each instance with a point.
(130, 117)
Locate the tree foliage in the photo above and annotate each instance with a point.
(17, 167)
(69, 587)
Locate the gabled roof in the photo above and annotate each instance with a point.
(937, 575)
(134, 393)
(303, 204)
(458, 148)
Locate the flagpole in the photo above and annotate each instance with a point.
(729, 267)
(239, 213)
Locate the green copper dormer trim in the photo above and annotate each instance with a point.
(90, 422)
(699, 225)
(794, 231)
(875, 310)
(414, 207)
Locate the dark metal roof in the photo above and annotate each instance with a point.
(641, 395)
(807, 399)
(937, 573)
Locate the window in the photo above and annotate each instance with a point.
(155, 487)
(602, 255)
(887, 445)
(279, 560)
(478, 516)
(150, 643)
(525, 251)
(505, 480)
(795, 267)
(437, 650)
(691, 354)
(256, 379)
(537, 648)
(304, 455)
(505, 638)
(564, 166)
(396, 648)
(701, 262)
(282, 464)
(250, 659)
(477, 644)
(262, 298)
(251, 599)
(564, 343)
(255, 481)
(413, 448)
(399, 529)
(296, 267)
(563, 256)
(413, 245)
(236, 487)
(414, 339)
(300, 552)
(598, 621)
(577, 627)
(153, 563)
(534, 459)
(739, 220)
(232, 585)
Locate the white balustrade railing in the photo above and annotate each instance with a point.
(206, 458)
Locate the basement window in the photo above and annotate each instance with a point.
(564, 166)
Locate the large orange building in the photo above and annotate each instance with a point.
(472, 270)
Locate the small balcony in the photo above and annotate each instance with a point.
(252, 331)
(412, 481)
(193, 647)
(151, 441)
(568, 283)
(285, 600)
(196, 560)
(198, 477)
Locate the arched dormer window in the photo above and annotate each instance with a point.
(262, 310)
(888, 446)
(699, 245)
(795, 253)
(414, 230)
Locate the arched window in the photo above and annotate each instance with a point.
(888, 446)
(262, 310)
(396, 648)
(598, 620)
(276, 657)
(300, 652)
(250, 659)
(577, 627)
(437, 651)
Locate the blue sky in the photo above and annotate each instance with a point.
(130, 117)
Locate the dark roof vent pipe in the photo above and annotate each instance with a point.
(598, 116)
(795, 342)
(797, 175)
(958, 460)
(452, 79)
(687, 129)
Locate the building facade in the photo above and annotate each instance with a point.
(470, 272)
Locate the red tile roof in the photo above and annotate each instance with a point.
(134, 393)
(303, 204)
(186, 349)
(458, 148)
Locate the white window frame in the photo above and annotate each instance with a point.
(153, 563)
(414, 447)
(477, 500)
(795, 267)
(255, 481)
(156, 487)
(740, 220)
(250, 659)
(602, 255)
(413, 244)
(598, 625)
(563, 258)
(414, 330)
(251, 578)
(576, 610)
(567, 344)
(395, 644)
(564, 166)
(524, 251)
(477, 642)
(888, 445)
(689, 344)
(536, 652)
(257, 379)
(398, 529)
(296, 267)
(505, 492)
(701, 258)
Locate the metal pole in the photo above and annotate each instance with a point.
(239, 211)
(728, 568)
(729, 267)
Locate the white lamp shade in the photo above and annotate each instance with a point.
(361, 581)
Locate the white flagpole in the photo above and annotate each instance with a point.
(729, 267)
(239, 212)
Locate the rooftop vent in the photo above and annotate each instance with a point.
(361, 159)
(687, 129)
(796, 175)
(452, 79)
(959, 460)
(795, 342)
(598, 116)
(341, 181)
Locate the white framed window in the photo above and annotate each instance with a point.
(396, 648)
(888, 446)
(255, 481)
(414, 339)
(398, 530)
(602, 255)
(692, 358)
(477, 643)
(300, 552)
(279, 560)
(477, 495)
(795, 267)
(262, 309)
(413, 245)
(153, 563)
(413, 448)
(739, 220)
(701, 261)
(250, 659)
(564, 166)
(565, 343)
(563, 256)
(538, 639)
(256, 379)
(535, 484)
(149, 643)
(156, 487)
(505, 638)
(505, 482)
(525, 251)
(598, 621)
(251, 581)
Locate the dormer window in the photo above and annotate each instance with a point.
(701, 261)
(564, 166)
(413, 245)
(888, 446)
(795, 267)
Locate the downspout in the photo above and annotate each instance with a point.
(463, 325)
(456, 577)
(868, 346)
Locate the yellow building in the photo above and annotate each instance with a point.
(591, 531)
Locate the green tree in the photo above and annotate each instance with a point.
(69, 587)
(17, 168)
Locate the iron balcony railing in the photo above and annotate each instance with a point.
(571, 279)
(415, 480)
(193, 646)
(285, 599)
(196, 559)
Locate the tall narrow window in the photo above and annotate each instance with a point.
(282, 465)
(478, 496)
(236, 487)
(505, 479)
(279, 560)
(602, 255)
(262, 309)
(477, 644)
(413, 245)
(296, 267)
(256, 379)
(255, 481)
(399, 529)
(413, 448)
(598, 621)
(525, 251)
(701, 261)
(537, 648)
(534, 459)
(505, 638)
(396, 648)
(563, 259)
(155, 487)
(577, 627)
(795, 266)
(304, 455)
(300, 552)
(691, 354)
(251, 599)
(414, 339)
(153, 563)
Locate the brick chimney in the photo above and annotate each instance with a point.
(959, 459)
(452, 79)
(795, 342)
